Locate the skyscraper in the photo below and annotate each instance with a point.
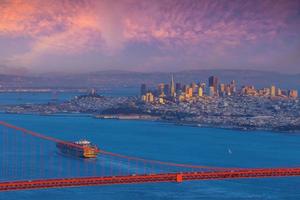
(293, 93)
(279, 92)
(203, 85)
(200, 92)
(189, 92)
(172, 87)
(273, 91)
(167, 89)
(211, 91)
(160, 89)
(185, 87)
(233, 86)
(178, 88)
(213, 82)
(222, 87)
(149, 97)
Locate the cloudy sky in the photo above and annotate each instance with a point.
(151, 35)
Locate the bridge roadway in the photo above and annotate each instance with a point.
(149, 178)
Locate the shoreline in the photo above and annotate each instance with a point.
(150, 118)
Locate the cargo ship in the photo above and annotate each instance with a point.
(81, 148)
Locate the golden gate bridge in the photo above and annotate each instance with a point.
(29, 160)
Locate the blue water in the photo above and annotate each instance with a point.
(11, 98)
(180, 144)
(123, 91)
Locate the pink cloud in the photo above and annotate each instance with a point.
(208, 21)
(199, 27)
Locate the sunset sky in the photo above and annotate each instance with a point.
(92, 35)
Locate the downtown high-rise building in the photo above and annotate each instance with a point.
(200, 92)
(167, 89)
(213, 82)
(172, 89)
(178, 88)
(161, 89)
(273, 91)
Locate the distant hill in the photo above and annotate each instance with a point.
(123, 79)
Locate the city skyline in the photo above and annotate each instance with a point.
(213, 87)
(82, 36)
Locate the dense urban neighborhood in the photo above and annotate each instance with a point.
(243, 112)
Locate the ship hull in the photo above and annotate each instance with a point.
(77, 151)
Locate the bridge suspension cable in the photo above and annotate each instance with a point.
(29, 160)
(38, 135)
